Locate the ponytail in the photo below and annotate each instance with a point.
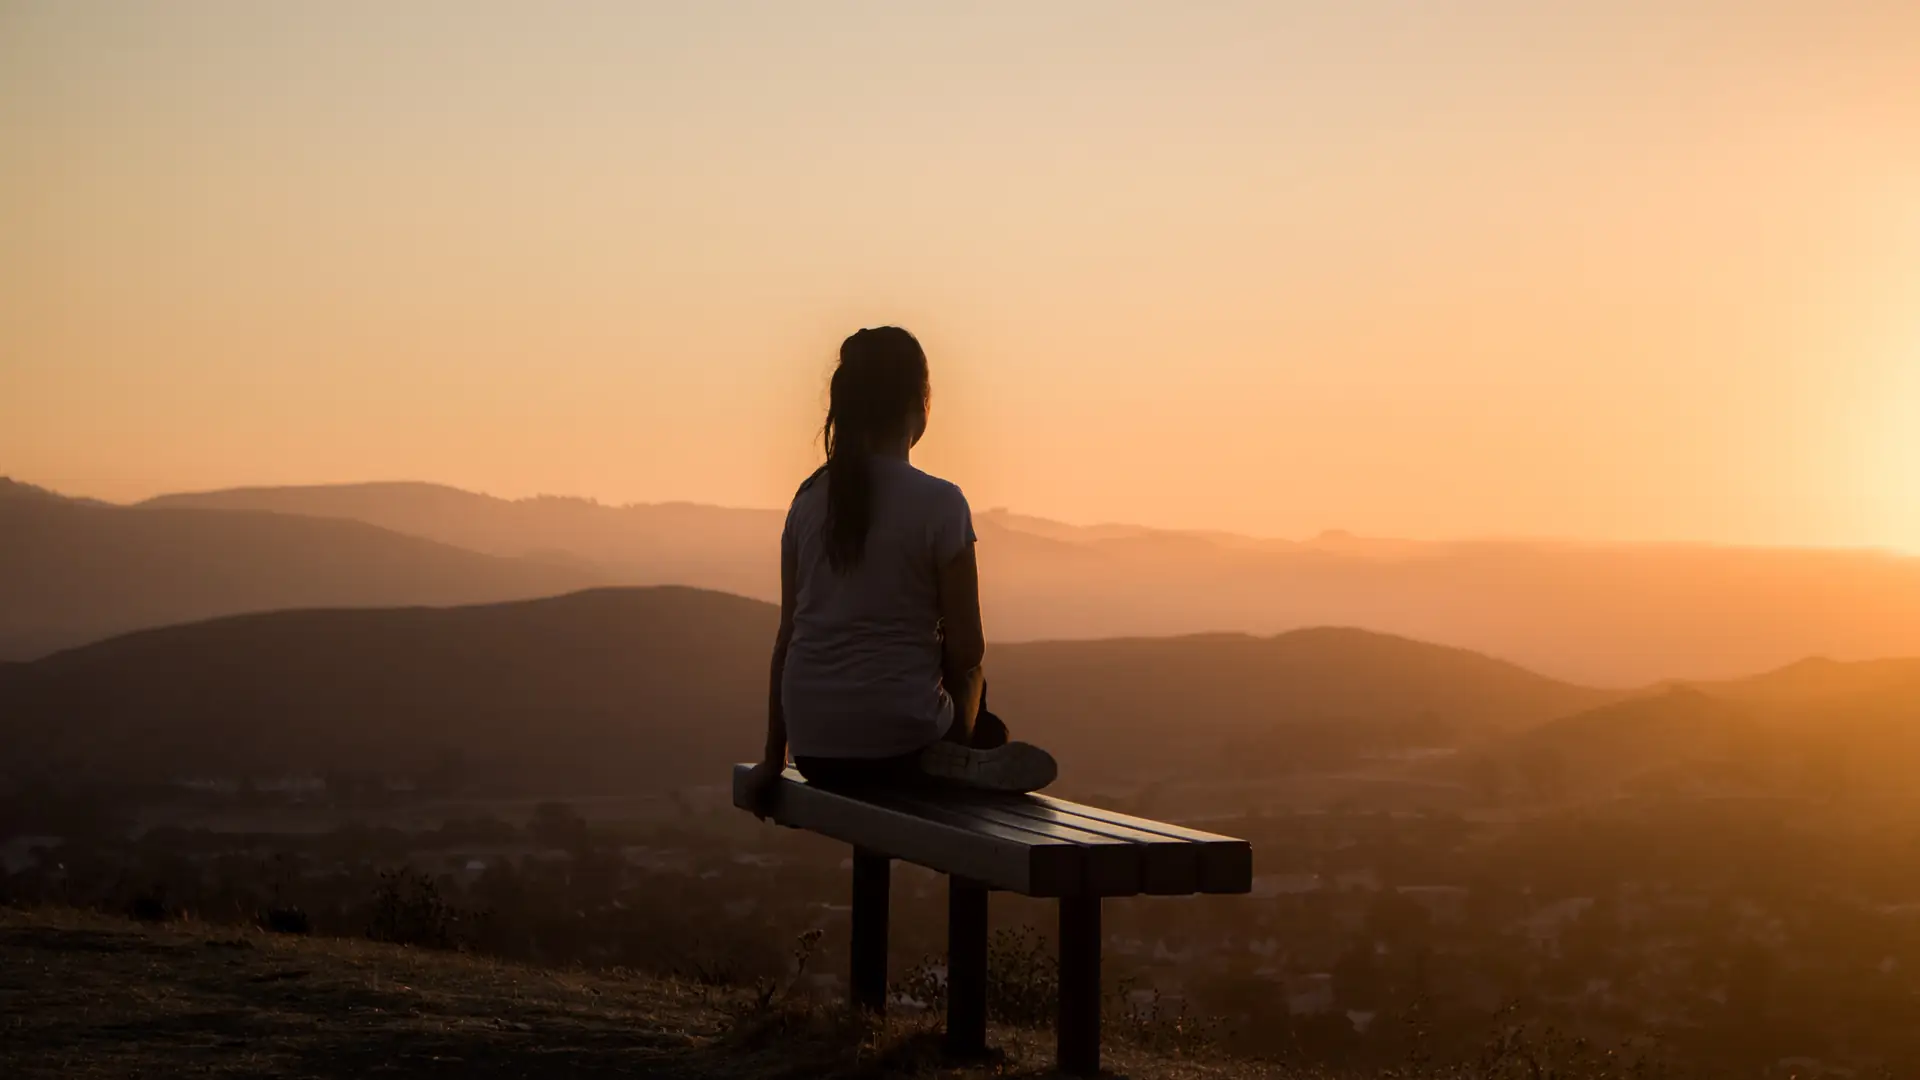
(880, 380)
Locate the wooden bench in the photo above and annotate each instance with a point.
(1028, 844)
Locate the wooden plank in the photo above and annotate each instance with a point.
(1000, 856)
(1160, 828)
(1104, 871)
(1113, 867)
(1169, 867)
(1032, 844)
(1226, 863)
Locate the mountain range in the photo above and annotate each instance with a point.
(1618, 615)
(633, 688)
(73, 571)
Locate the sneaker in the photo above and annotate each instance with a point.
(1016, 766)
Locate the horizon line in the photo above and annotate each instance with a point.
(1327, 533)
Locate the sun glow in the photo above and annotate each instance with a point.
(1894, 446)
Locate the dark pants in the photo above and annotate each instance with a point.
(986, 732)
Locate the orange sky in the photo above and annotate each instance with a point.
(1651, 271)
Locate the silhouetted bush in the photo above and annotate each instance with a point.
(1023, 979)
(286, 920)
(1157, 1027)
(409, 910)
(149, 905)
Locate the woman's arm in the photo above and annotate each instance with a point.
(776, 749)
(773, 760)
(963, 642)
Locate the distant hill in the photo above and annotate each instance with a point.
(1817, 728)
(72, 571)
(624, 689)
(1243, 706)
(707, 547)
(14, 489)
(1617, 615)
(1819, 684)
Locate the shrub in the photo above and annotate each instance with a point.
(149, 905)
(1157, 1028)
(1023, 979)
(409, 910)
(286, 920)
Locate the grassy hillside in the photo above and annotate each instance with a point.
(618, 689)
(88, 996)
(73, 572)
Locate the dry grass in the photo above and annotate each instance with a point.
(84, 995)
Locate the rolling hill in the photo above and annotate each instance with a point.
(73, 571)
(1817, 728)
(1603, 614)
(707, 547)
(630, 689)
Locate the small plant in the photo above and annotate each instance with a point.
(149, 905)
(409, 910)
(803, 948)
(1519, 1052)
(1154, 1026)
(1023, 978)
(714, 971)
(724, 971)
(925, 984)
(286, 920)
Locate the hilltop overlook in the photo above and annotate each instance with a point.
(94, 996)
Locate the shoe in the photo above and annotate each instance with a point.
(1016, 766)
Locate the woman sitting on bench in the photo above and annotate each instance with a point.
(877, 667)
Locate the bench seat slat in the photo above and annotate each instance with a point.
(999, 856)
(1158, 828)
(1226, 863)
(1168, 867)
(1031, 844)
(1114, 867)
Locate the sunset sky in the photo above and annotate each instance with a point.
(1612, 270)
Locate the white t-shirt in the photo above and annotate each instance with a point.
(863, 668)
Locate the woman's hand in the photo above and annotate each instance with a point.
(761, 784)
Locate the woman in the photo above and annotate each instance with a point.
(877, 666)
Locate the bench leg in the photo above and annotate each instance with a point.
(966, 968)
(868, 969)
(1078, 1036)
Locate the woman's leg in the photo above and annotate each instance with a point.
(981, 756)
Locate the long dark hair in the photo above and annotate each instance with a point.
(879, 384)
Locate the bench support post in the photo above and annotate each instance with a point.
(1078, 1035)
(868, 969)
(966, 968)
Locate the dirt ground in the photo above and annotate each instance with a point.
(85, 996)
